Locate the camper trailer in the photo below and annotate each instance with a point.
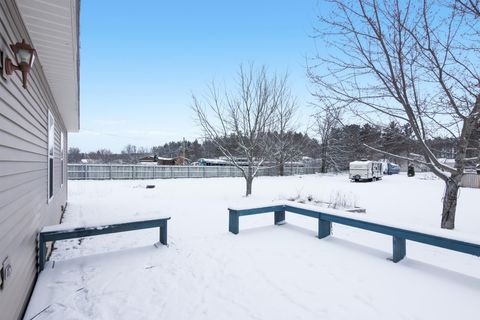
(365, 170)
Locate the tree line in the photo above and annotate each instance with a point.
(345, 144)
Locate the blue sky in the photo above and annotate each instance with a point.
(142, 60)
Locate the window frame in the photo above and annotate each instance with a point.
(50, 156)
(62, 159)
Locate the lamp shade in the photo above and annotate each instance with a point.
(24, 53)
(23, 56)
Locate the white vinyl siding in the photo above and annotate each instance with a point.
(24, 167)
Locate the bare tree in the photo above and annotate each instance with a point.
(469, 7)
(238, 121)
(74, 155)
(129, 153)
(407, 60)
(129, 149)
(327, 119)
(104, 155)
(286, 144)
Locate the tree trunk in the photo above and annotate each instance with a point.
(281, 169)
(470, 124)
(450, 202)
(323, 169)
(249, 181)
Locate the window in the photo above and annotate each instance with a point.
(51, 152)
(62, 157)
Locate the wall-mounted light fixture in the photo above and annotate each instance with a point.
(25, 56)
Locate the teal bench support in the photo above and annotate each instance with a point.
(324, 228)
(234, 215)
(325, 220)
(233, 221)
(279, 217)
(80, 232)
(399, 248)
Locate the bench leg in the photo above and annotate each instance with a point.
(163, 234)
(324, 228)
(233, 222)
(280, 217)
(42, 253)
(399, 249)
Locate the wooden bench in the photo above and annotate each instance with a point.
(399, 235)
(63, 232)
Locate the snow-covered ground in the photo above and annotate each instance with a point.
(266, 271)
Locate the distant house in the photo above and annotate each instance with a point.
(148, 160)
(154, 160)
(34, 121)
(166, 161)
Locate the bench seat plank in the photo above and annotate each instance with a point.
(78, 232)
(63, 232)
(325, 219)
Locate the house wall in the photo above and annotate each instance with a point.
(24, 204)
